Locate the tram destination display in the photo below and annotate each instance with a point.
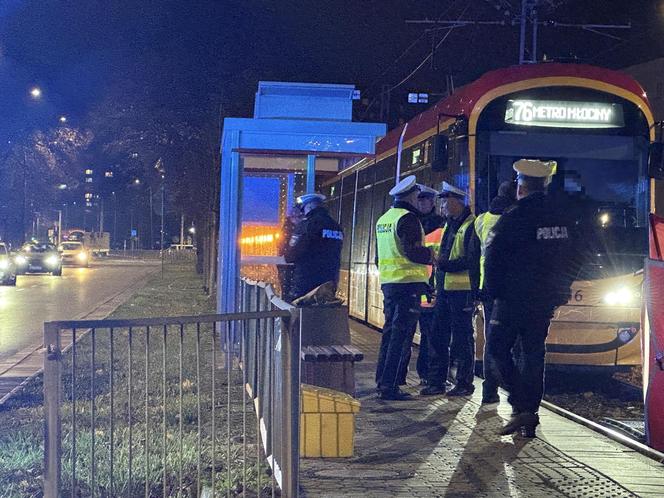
(562, 114)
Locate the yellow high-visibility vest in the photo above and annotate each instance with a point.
(394, 267)
(458, 281)
(483, 225)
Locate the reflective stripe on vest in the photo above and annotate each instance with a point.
(483, 225)
(458, 280)
(432, 240)
(393, 265)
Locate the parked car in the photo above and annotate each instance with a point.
(7, 267)
(38, 257)
(74, 253)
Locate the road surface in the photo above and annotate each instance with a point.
(41, 298)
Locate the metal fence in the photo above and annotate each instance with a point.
(162, 407)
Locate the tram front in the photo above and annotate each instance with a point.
(599, 140)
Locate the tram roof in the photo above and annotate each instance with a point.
(463, 100)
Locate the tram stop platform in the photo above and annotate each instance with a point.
(447, 447)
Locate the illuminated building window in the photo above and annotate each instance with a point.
(88, 171)
(108, 174)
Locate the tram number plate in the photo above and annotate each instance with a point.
(578, 296)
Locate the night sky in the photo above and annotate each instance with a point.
(184, 52)
(77, 50)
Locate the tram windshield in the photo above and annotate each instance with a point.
(610, 199)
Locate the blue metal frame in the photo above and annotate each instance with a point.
(289, 119)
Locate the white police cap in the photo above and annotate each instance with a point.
(426, 191)
(447, 189)
(405, 187)
(535, 168)
(307, 198)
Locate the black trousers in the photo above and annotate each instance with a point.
(490, 383)
(426, 322)
(520, 372)
(452, 329)
(402, 309)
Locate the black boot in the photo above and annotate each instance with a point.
(524, 420)
(432, 390)
(394, 394)
(461, 390)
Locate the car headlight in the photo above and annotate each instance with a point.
(52, 261)
(21, 260)
(82, 256)
(620, 297)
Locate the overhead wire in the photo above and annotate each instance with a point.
(426, 59)
(403, 54)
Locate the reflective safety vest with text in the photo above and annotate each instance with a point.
(393, 265)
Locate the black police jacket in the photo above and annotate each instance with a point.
(315, 250)
(532, 254)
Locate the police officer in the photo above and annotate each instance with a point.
(314, 247)
(285, 272)
(529, 268)
(432, 224)
(454, 300)
(402, 262)
(484, 222)
(426, 205)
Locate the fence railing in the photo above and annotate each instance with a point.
(163, 406)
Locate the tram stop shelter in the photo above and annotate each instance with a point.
(300, 133)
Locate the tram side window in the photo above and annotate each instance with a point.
(458, 162)
(346, 218)
(417, 156)
(381, 202)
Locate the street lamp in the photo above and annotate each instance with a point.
(35, 92)
(62, 119)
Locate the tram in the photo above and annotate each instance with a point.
(595, 123)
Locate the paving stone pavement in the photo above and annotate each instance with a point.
(438, 446)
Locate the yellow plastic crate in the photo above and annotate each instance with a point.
(327, 422)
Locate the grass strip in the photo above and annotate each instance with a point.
(140, 407)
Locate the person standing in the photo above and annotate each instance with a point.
(432, 224)
(314, 248)
(454, 300)
(426, 206)
(529, 269)
(285, 271)
(484, 222)
(402, 261)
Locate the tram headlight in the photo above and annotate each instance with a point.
(620, 297)
(4, 264)
(82, 256)
(21, 260)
